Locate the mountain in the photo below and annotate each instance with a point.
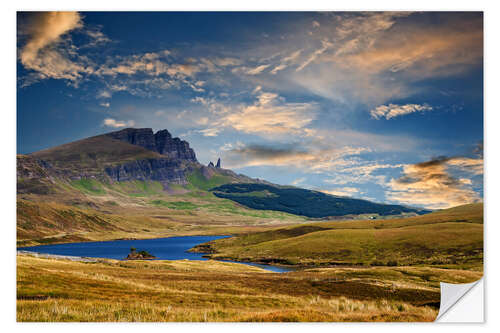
(137, 183)
(141, 155)
(126, 155)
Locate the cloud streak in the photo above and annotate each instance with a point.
(308, 159)
(394, 110)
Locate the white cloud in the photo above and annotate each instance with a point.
(257, 70)
(394, 110)
(342, 191)
(104, 94)
(110, 122)
(270, 114)
(298, 181)
(105, 104)
(227, 146)
(287, 61)
(210, 131)
(325, 45)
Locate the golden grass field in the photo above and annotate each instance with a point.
(450, 238)
(357, 270)
(111, 290)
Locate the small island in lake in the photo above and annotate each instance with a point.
(139, 255)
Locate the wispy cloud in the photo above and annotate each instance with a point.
(394, 110)
(210, 131)
(303, 158)
(325, 45)
(110, 122)
(342, 191)
(286, 61)
(298, 181)
(257, 70)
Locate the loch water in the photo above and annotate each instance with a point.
(171, 248)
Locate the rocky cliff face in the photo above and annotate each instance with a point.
(162, 169)
(160, 142)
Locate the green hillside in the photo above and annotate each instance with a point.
(304, 202)
(452, 237)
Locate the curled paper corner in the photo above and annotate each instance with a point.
(462, 302)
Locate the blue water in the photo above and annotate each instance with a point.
(171, 248)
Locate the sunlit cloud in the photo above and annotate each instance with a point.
(210, 131)
(110, 122)
(431, 185)
(257, 70)
(269, 115)
(472, 165)
(394, 110)
(325, 45)
(44, 32)
(287, 61)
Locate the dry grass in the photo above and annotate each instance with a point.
(452, 237)
(110, 290)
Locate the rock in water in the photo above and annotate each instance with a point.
(218, 163)
(141, 255)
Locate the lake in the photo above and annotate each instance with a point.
(171, 248)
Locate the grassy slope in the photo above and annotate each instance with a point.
(198, 181)
(60, 290)
(451, 237)
(93, 153)
(58, 209)
(304, 202)
(92, 210)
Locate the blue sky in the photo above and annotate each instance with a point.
(386, 106)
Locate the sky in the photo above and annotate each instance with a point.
(383, 106)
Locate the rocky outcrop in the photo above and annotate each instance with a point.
(210, 165)
(218, 164)
(141, 255)
(160, 142)
(161, 169)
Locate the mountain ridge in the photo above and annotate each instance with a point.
(131, 155)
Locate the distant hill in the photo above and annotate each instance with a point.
(452, 237)
(304, 202)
